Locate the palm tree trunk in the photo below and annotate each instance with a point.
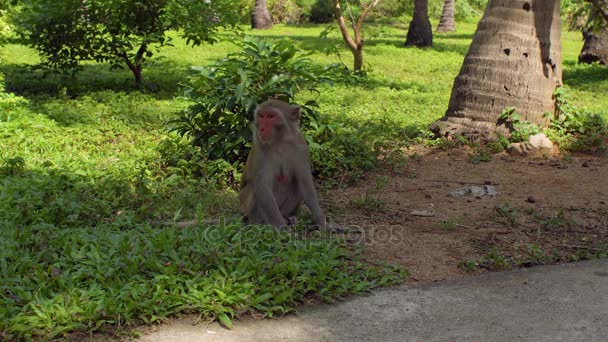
(595, 48)
(447, 22)
(260, 17)
(513, 61)
(419, 33)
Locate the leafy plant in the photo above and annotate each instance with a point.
(371, 200)
(575, 129)
(469, 265)
(506, 214)
(482, 156)
(495, 260)
(498, 145)
(226, 93)
(520, 130)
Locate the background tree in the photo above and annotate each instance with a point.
(66, 32)
(513, 61)
(419, 32)
(354, 44)
(602, 7)
(447, 22)
(595, 36)
(260, 17)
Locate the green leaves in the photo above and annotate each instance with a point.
(226, 93)
(521, 130)
(82, 278)
(122, 33)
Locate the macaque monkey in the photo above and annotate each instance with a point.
(277, 175)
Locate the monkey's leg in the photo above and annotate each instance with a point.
(266, 206)
(289, 207)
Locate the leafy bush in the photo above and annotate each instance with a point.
(226, 93)
(5, 28)
(575, 129)
(285, 12)
(339, 152)
(520, 130)
(322, 11)
(394, 8)
(471, 9)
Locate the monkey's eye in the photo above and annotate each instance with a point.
(267, 116)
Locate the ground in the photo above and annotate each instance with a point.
(546, 210)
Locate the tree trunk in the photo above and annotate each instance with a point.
(260, 17)
(358, 56)
(419, 33)
(513, 61)
(447, 23)
(595, 48)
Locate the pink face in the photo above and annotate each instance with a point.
(267, 119)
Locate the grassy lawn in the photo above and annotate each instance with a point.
(85, 179)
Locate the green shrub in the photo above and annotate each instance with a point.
(285, 12)
(394, 8)
(520, 130)
(467, 10)
(226, 93)
(322, 11)
(575, 129)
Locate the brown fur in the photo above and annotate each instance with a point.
(277, 175)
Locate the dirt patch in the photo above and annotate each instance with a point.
(546, 210)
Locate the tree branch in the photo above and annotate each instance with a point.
(364, 14)
(352, 18)
(343, 29)
(140, 53)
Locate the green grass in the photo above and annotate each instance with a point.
(87, 170)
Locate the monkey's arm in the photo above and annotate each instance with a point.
(308, 193)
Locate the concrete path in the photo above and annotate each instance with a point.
(553, 303)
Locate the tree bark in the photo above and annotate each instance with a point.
(602, 7)
(260, 17)
(595, 48)
(513, 61)
(447, 22)
(419, 33)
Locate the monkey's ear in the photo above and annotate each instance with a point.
(294, 113)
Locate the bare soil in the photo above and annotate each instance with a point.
(546, 211)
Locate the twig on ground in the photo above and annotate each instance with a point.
(582, 247)
(458, 182)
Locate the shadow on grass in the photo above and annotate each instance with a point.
(452, 43)
(65, 199)
(161, 79)
(585, 76)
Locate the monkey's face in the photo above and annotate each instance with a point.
(269, 122)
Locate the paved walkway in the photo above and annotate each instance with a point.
(552, 303)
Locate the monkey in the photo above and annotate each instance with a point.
(277, 176)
